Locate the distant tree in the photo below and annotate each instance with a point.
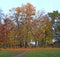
(43, 29)
(55, 18)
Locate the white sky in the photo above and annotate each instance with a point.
(47, 5)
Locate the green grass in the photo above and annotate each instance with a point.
(43, 53)
(8, 53)
(31, 53)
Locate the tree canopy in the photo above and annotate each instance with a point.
(23, 25)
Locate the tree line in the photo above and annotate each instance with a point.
(24, 25)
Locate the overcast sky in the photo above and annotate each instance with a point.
(47, 5)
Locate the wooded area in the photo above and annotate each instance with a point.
(24, 27)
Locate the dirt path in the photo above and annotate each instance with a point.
(21, 54)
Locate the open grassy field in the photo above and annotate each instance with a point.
(43, 53)
(32, 52)
(10, 53)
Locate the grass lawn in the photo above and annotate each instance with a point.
(43, 53)
(9, 53)
(32, 52)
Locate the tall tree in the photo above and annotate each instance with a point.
(23, 18)
(43, 28)
(1, 27)
(55, 18)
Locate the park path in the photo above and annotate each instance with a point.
(21, 54)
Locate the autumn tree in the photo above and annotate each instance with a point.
(23, 16)
(29, 12)
(2, 31)
(23, 25)
(42, 29)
